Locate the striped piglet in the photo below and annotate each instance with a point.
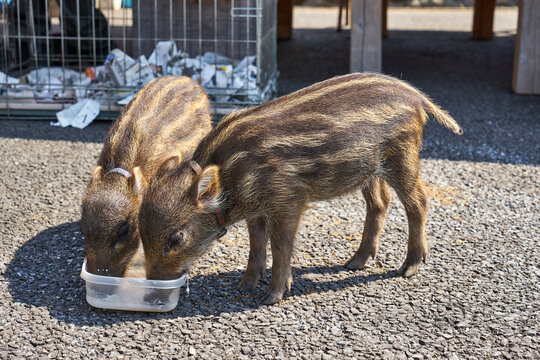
(267, 163)
(169, 116)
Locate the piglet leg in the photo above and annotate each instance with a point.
(405, 179)
(377, 195)
(282, 235)
(258, 238)
(415, 203)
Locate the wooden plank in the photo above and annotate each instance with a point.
(284, 19)
(366, 35)
(30, 104)
(484, 10)
(526, 79)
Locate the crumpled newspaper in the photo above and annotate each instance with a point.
(13, 88)
(121, 76)
(56, 83)
(224, 78)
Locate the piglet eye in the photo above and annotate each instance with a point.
(174, 242)
(122, 232)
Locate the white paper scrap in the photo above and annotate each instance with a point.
(217, 59)
(79, 115)
(223, 74)
(163, 52)
(139, 75)
(21, 91)
(124, 60)
(125, 100)
(56, 74)
(5, 79)
(191, 63)
(206, 74)
(242, 65)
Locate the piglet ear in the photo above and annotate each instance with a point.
(137, 182)
(208, 188)
(97, 174)
(171, 163)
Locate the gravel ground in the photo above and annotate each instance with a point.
(477, 297)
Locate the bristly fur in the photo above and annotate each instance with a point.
(169, 116)
(358, 131)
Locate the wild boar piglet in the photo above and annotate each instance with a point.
(265, 164)
(168, 116)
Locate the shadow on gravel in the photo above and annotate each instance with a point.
(42, 130)
(45, 272)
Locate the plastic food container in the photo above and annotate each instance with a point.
(117, 293)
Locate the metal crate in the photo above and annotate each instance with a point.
(57, 52)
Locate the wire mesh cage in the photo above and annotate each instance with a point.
(55, 53)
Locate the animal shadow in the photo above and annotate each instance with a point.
(45, 272)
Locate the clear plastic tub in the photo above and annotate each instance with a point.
(108, 292)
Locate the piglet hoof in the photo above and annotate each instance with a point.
(251, 278)
(275, 293)
(271, 298)
(360, 258)
(408, 270)
(248, 283)
(356, 263)
(412, 264)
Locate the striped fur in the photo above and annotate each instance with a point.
(168, 117)
(359, 131)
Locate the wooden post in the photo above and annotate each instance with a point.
(484, 11)
(384, 18)
(284, 19)
(526, 79)
(343, 4)
(366, 37)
